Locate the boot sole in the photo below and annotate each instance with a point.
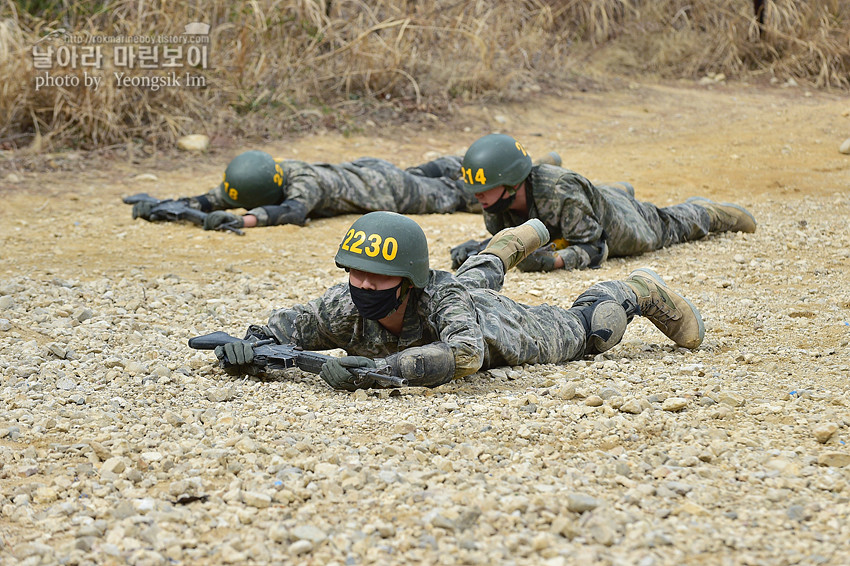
(657, 278)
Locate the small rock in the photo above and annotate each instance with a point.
(300, 547)
(256, 499)
(565, 391)
(194, 142)
(82, 314)
(823, 431)
(230, 555)
(309, 533)
(631, 406)
(113, 465)
(217, 395)
(692, 508)
(674, 404)
(146, 177)
(498, 373)
(5, 325)
(57, 350)
(12, 178)
(6, 302)
(730, 398)
(593, 401)
(845, 147)
(581, 502)
(834, 459)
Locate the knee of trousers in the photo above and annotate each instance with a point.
(613, 290)
(605, 324)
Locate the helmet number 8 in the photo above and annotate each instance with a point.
(388, 251)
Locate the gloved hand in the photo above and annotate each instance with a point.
(466, 250)
(236, 353)
(143, 209)
(335, 372)
(217, 218)
(541, 259)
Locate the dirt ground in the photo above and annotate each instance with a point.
(727, 142)
(776, 305)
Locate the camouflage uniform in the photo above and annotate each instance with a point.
(361, 186)
(482, 328)
(584, 218)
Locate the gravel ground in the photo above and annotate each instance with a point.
(120, 445)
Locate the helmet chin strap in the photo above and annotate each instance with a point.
(504, 202)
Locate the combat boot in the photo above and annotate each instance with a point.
(672, 313)
(725, 216)
(512, 245)
(551, 158)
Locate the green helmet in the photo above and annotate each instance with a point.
(386, 243)
(493, 161)
(253, 179)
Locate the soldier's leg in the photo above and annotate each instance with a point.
(448, 167)
(725, 216)
(633, 227)
(645, 294)
(409, 193)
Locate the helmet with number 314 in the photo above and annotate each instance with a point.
(253, 179)
(493, 161)
(386, 243)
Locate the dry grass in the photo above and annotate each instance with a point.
(283, 64)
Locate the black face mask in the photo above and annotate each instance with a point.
(375, 304)
(502, 204)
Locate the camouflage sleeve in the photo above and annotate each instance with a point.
(482, 271)
(582, 256)
(454, 316)
(212, 200)
(288, 212)
(321, 324)
(305, 185)
(580, 227)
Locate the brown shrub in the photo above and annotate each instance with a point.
(278, 65)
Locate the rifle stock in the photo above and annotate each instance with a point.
(268, 354)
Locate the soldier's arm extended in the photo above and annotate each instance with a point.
(582, 234)
(288, 212)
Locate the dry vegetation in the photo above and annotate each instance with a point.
(300, 63)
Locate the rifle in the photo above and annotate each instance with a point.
(174, 210)
(268, 354)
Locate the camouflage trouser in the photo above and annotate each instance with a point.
(414, 193)
(518, 334)
(633, 227)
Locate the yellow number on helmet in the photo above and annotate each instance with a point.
(359, 238)
(480, 177)
(390, 248)
(375, 248)
(522, 149)
(348, 236)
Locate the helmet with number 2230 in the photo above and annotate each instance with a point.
(386, 243)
